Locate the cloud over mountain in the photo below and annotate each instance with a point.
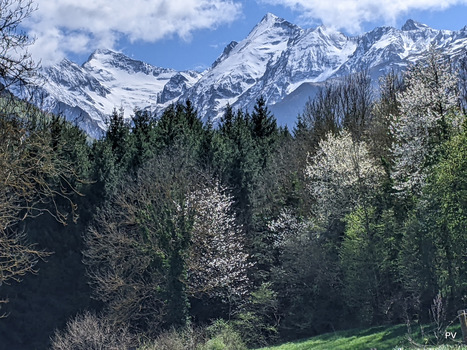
(64, 27)
(69, 26)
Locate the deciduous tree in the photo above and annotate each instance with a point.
(38, 176)
(16, 64)
(342, 175)
(169, 235)
(429, 111)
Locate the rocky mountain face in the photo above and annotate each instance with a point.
(278, 60)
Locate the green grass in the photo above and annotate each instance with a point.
(380, 338)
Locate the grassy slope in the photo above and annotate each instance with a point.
(380, 338)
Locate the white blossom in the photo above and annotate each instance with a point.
(291, 231)
(428, 110)
(218, 262)
(342, 175)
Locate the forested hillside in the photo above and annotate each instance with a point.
(168, 225)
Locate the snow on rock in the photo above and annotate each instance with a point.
(108, 80)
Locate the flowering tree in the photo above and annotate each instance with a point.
(168, 236)
(342, 175)
(217, 263)
(428, 112)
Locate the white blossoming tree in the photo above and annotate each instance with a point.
(428, 112)
(217, 264)
(167, 237)
(342, 175)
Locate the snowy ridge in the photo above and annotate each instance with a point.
(292, 63)
(109, 80)
(242, 65)
(279, 60)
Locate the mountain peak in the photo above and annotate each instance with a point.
(105, 52)
(413, 25)
(278, 60)
(102, 52)
(268, 17)
(103, 56)
(270, 20)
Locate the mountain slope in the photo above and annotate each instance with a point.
(278, 60)
(308, 58)
(109, 80)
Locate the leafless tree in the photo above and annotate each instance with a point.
(378, 134)
(343, 103)
(34, 175)
(16, 63)
(91, 332)
(34, 179)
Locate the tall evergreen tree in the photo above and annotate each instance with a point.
(264, 130)
(143, 137)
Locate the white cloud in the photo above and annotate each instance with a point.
(351, 14)
(70, 26)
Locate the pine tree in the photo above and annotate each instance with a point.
(263, 122)
(226, 121)
(143, 137)
(264, 131)
(180, 127)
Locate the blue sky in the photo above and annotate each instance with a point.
(191, 34)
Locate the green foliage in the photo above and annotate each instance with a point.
(368, 256)
(112, 156)
(264, 131)
(223, 337)
(433, 255)
(236, 162)
(219, 336)
(179, 125)
(143, 134)
(182, 339)
(258, 320)
(307, 278)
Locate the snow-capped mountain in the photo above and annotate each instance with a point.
(287, 64)
(278, 60)
(89, 93)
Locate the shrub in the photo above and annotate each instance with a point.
(90, 332)
(219, 336)
(183, 339)
(223, 337)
